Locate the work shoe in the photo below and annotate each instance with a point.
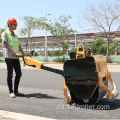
(12, 95)
(19, 94)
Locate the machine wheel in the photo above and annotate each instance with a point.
(86, 100)
(115, 93)
(69, 99)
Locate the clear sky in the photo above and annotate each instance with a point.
(35, 8)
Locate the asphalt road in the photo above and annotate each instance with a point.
(44, 97)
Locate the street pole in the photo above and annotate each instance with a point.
(75, 41)
(45, 33)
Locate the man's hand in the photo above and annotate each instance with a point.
(21, 50)
(19, 55)
(23, 54)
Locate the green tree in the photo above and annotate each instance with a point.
(1, 31)
(31, 24)
(66, 46)
(98, 47)
(112, 48)
(53, 43)
(61, 29)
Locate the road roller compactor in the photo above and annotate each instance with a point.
(86, 76)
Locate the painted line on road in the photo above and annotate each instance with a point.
(20, 116)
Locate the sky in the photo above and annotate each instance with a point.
(35, 8)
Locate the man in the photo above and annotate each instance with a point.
(11, 48)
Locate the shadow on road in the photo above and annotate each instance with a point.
(40, 95)
(112, 104)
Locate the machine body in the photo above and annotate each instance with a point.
(86, 77)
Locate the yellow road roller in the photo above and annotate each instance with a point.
(86, 76)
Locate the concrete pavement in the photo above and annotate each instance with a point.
(44, 97)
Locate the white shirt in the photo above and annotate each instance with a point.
(6, 52)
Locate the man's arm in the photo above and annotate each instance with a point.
(21, 50)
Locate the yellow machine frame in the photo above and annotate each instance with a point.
(82, 52)
(33, 62)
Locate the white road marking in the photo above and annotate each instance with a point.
(20, 116)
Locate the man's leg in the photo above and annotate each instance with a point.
(9, 63)
(18, 72)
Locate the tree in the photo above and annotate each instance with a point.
(98, 47)
(1, 31)
(31, 24)
(53, 43)
(103, 18)
(61, 29)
